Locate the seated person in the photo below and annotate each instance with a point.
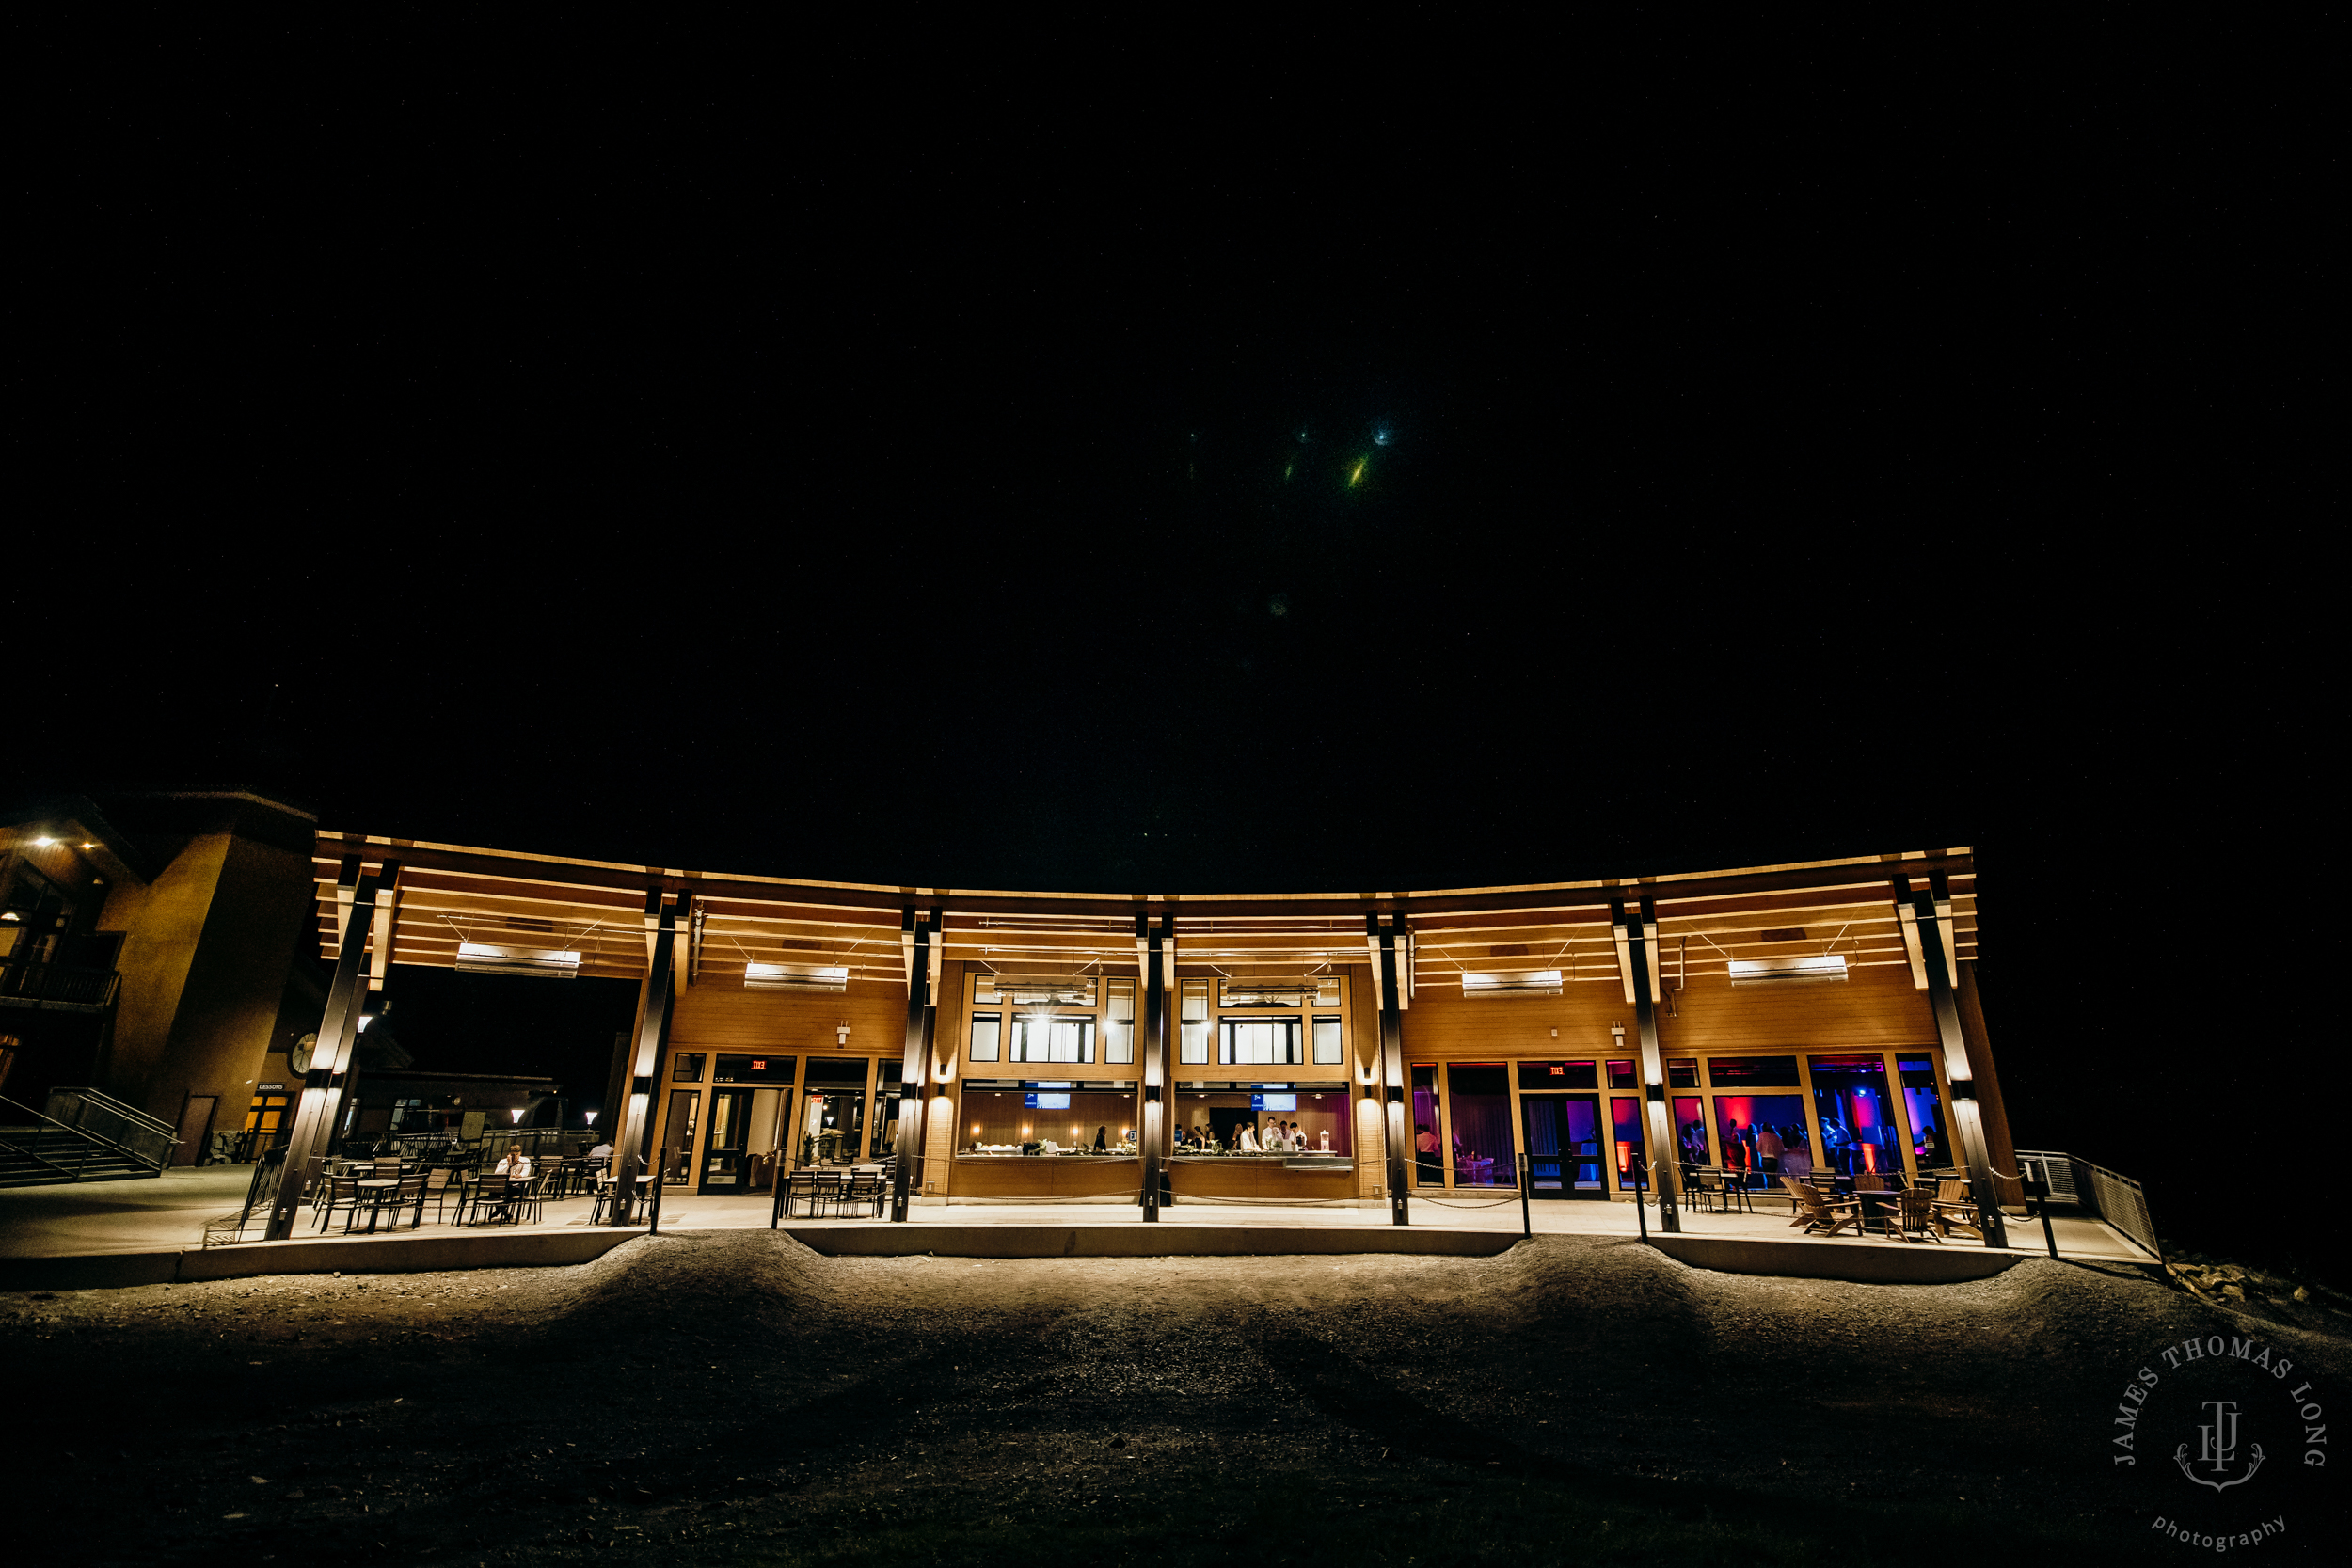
(1248, 1143)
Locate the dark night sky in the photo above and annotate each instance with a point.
(899, 476)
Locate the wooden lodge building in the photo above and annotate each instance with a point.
(1330, 1048)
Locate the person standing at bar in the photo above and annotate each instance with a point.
(1429, 1172)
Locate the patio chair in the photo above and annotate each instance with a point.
(439, 1184)
(528, 1203)
(607, 1187)
(343, 1191)
(1792, 1189)
(1827, 1215)
(408, 1195)
(1912, 1217)
(485, 1200)
(799, 1193)
(865, 1187)
(1954, 1208)
(832, 1187)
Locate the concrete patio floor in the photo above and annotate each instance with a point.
(170, 1211)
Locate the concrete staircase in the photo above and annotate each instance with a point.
(52, 1163)
(84, 1136)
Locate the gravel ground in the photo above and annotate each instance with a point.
(731, 1396)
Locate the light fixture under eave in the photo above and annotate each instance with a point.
(1291, 993)
(1514, 982)
(1048, 989)
(551, 963)
(1782, 972)
(760, 976)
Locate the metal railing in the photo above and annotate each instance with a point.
(137, 1133)
(261, 1196)
(68, 1150)
(57, 987)
(2047, 1166)
(2119, 1200)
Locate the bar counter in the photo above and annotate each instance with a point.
(1260, 1176)
(1046, 1176)
(1308, 1177)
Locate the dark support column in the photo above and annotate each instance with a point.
(921, 936)
(330, 1059)
(381, 918)
(1998, 1144)
(1396, 1120)
(631, 1146)
(1931, 909)
(1154, 1130)
(1666, 1165)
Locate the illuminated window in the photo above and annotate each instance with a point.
(1053, 1040)
(1259, 1042)
(987, 1029)
(1328, 1048)
(1119, 1022)
(1193, 1031)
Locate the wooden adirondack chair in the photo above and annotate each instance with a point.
(1789, 1185)
(1815, 1212)
(1915, 1215)
(1953, 1209)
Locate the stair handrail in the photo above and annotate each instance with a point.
(149, 1140)
(128, 1113)
(38, 1157)
(83, 1133)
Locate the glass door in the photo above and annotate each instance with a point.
(834, 1128)
(1428, 1125)
(265, 1120)
(726, 1158)
(1563, 1156)
(1478, 1120)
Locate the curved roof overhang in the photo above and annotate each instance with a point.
(456, 892)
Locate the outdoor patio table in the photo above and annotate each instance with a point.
(376, 1191)
(1877, 1207)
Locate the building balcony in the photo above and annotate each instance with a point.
(58, 987)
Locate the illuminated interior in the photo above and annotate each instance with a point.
(1219, 1116)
